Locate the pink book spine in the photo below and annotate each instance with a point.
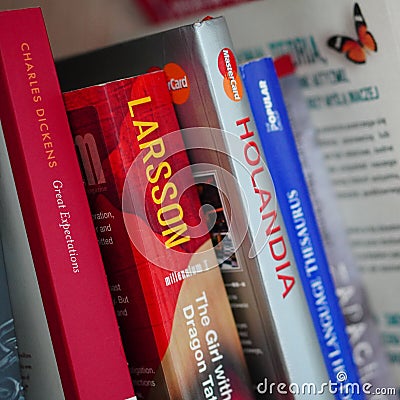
(56, 214)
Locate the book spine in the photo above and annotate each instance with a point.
(37, 360)
(368, 352)
(10, 376)
(137, 172)
(277, 139)
(61, 236)
(270, 244)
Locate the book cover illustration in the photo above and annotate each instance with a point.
(152, 236)
(56, 215)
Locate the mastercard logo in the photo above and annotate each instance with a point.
(178, 83)
(228, 68)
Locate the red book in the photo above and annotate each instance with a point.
(180, 337)
(63, 243)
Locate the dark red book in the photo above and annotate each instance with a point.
(57, 219)
(179, 334)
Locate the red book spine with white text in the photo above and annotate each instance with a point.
(62, 240)
(179, 333)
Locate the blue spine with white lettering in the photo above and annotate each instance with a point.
(268, 107)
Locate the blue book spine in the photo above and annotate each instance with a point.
(269, 110)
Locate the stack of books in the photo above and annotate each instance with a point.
(165, 225)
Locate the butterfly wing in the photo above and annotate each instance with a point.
(364, 36)
(351, 48)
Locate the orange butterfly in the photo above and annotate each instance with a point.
(355, 50)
